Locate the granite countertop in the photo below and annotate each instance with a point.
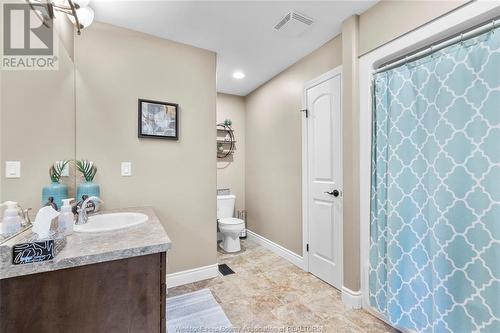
(90, 248)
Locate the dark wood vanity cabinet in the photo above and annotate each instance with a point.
(126, 295)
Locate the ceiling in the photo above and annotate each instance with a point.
(241, 32)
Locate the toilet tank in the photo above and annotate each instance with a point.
(225, 205)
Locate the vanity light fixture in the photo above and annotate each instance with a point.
(81, 3)
(78, 11)
(85, 16)
(238, 75)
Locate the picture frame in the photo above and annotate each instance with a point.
(158, 120)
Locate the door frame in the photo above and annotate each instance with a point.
(337, 71)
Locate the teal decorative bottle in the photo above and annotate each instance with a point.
(56, 190)
(88, 187)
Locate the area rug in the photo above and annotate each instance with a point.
(196, 312)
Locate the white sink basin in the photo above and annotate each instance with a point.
(111, 222)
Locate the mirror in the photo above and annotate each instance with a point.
(37, 126)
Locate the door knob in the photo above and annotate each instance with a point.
(335, 193)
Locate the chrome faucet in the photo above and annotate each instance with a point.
(82, 210)
(26, 217)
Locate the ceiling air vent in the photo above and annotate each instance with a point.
(293, 24)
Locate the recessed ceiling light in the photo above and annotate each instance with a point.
(238, 75)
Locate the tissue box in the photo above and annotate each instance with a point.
(36, 251)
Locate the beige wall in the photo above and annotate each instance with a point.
(115, 67)
(273, 148)
(37, 125)
(350, 152)
(231, 170)
(389, 19)
(66, 32)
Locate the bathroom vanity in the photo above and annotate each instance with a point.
(100, 282)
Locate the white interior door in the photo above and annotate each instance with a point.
(324, 178)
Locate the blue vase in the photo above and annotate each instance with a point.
(90, 189)
(56, 190)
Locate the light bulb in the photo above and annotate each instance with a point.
(85, 16)
(238, 75)
(81, 3)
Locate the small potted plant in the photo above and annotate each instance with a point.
(88, 187)
(56, 190)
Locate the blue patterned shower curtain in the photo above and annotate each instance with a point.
(435, 195)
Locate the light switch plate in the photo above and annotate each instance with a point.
(13, 169)
(126, 169)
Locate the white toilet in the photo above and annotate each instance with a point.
(229, 226)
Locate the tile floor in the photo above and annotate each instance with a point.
(269, 294)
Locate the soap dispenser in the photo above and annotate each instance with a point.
(11, 222)
(67, 218)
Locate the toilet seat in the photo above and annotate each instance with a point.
(230, 221)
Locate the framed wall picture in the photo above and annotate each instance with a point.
(158, 120)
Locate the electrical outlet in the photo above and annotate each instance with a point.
(12, 169)
(126, 169)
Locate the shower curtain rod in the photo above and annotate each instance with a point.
(422, 52)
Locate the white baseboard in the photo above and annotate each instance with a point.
(276, 248)
(352, 299)
(192, 275)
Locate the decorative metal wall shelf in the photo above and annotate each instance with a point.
(226, 143)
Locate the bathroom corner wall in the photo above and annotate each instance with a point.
(350, 152)
(231, 170)
(114, 68)
(273, 181)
